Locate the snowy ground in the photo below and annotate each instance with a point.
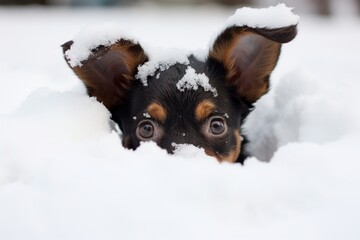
(65, 175)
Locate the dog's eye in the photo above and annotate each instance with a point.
(146, 130)
(217, 126)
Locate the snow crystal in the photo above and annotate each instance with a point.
(192, 80)
(271, 17)
(93, 36)
(147, 115)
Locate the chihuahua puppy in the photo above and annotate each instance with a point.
(238, 67)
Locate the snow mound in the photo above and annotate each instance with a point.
(303, 109)
(193, 80)
(272, 17)
(62, 168)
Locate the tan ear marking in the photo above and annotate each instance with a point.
(204, 109)
(249, 55)
(157, 111)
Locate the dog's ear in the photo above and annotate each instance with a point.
(249, 55)
(109, 71)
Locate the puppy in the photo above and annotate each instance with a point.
(169, 108)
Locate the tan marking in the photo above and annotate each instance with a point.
(204, 109)
(157, 111)
(233, 154)
(126, 141)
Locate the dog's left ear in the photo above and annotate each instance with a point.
(109, 71)
(249, 55)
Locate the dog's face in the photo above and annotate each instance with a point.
(203, 103)
(162, 113)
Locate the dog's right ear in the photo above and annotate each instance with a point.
(109, 71)
(249, 55)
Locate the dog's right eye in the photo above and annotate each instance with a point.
(145, 130)
(216, 127)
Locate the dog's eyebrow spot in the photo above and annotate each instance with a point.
(204, 109)
(157, 111)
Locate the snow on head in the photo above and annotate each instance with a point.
(272, 17)
(160, 60)
(193, 80)
(93, 36)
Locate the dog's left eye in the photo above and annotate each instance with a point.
(217, 126)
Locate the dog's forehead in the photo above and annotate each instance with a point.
(165, 65)
(176, 79)
(180, 88)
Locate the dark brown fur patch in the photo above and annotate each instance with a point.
(157, 111)
(204, 109)
(250, 73)
(108, 72)
(249, 55)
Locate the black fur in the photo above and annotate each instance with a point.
(181, 105)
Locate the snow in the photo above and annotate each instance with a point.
(192, 80)
(147, 115)
(91, 37)
(160, 59)
(65, 175)
(272, 17)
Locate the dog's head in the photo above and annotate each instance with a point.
(203, 103)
